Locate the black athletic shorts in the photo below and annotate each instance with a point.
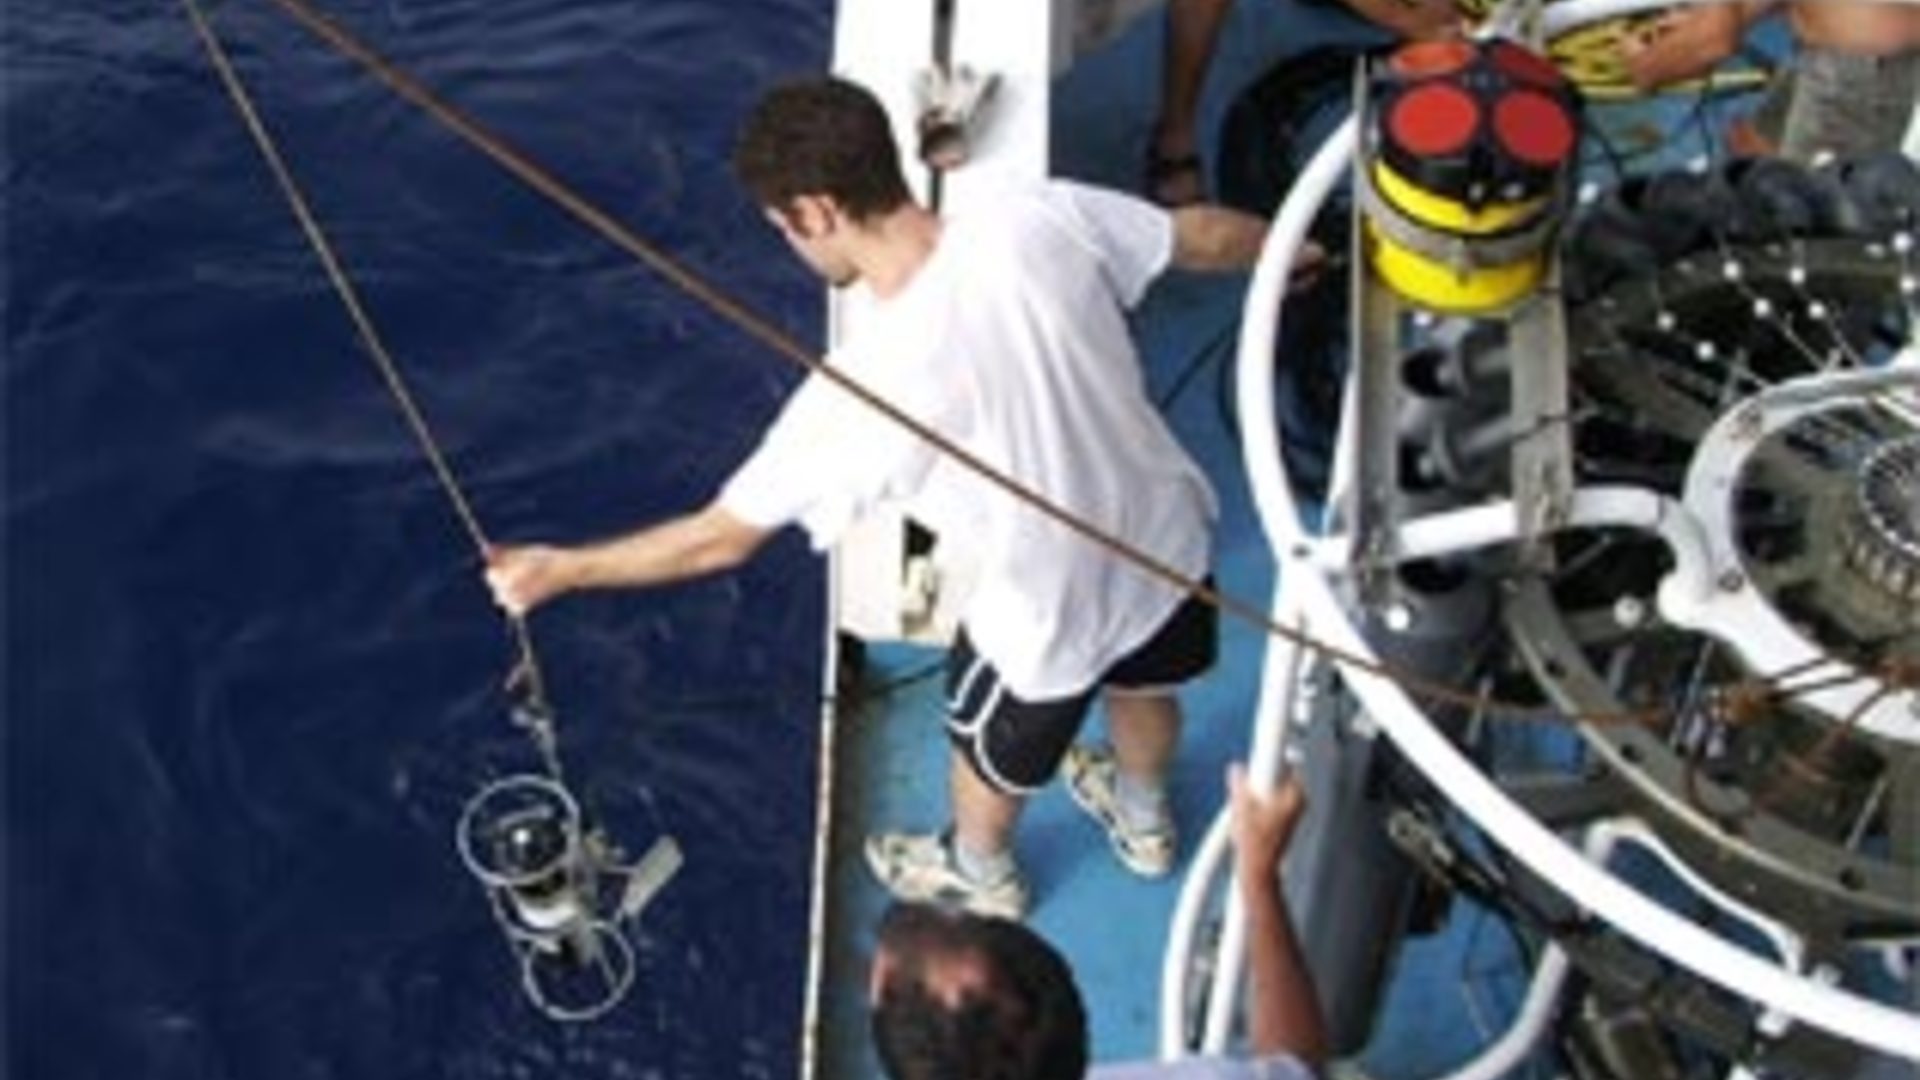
(1016, 745)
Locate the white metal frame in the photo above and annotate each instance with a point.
(1305, 591)
(1767, 641)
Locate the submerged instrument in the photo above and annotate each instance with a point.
(560, 892)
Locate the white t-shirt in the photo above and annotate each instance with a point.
(1011, 340)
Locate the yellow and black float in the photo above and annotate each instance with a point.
(1466, 169)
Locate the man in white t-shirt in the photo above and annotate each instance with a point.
(1004, 330)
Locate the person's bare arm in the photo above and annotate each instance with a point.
(1856, 27)
(1216, 238)
(1689, 43)
(705, 542)
(1284, 1010)
(1193, 34)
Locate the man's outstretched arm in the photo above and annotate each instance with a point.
(1214, 238)
(705, 542)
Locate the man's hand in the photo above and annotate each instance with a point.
(1307, 265)
(523, 578)
(1644, 58)
(1263, 824)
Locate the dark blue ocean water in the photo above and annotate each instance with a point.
(251, 674)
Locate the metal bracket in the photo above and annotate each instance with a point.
(647, 877)
(1542, 460)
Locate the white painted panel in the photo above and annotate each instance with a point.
(1011, 39)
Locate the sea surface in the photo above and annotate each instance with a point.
(251, 672)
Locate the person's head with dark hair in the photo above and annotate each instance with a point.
(963, 997)
(818, 156)
(821, 136)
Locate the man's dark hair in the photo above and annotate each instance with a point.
(1016, 1014)
(821, 136)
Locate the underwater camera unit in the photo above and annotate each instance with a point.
(560, 892)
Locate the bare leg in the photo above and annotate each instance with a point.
(1193, 32)
(983, 817)
(1145, 730)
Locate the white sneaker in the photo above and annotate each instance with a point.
(922, 867)
(1092, 779)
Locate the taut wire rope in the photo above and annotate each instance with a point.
(610, 229)
(526, 676)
